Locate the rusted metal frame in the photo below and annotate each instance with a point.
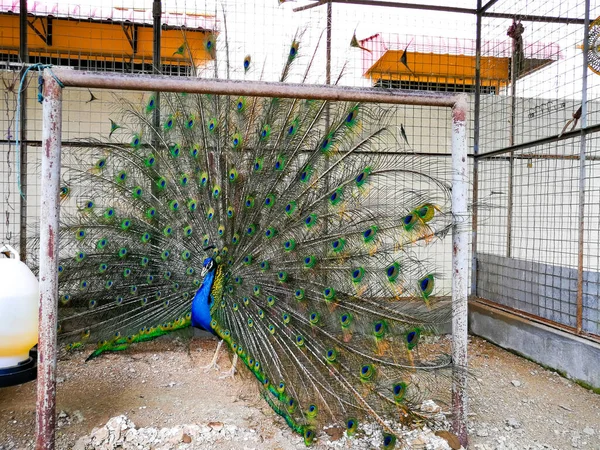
(389, 5)
(530, 18)
(329, 19)
(48, 267)
(545, 140)
(582, 150)
(311, 6)
(524, 17)
(542, 157)
(75, 144)
(450, 9)
(156, 57)
(328, 76)
(511, 142)
(476, 112)
(24, 57)
(460, 267)
(41, 34)
(156, 69)
(130, 30)
(535, 318)
(46, 33)
(328, 50)
(48, 270)
(161, 83)
(509, 206)
(488, 5)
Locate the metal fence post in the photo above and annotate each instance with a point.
(476, 112)
(24, 57)
(48, 271)
(460, 254)
(582, 150)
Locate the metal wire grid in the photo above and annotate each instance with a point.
(95, 35)
(591, 253)
(543, 226)
(529, 262)
(93, 121)
(545, 100)
(528, 251)
(532, 264)
(264, 31)
(547, 89)
(10, 212)
(9, 42)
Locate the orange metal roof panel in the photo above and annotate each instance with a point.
(68, 10)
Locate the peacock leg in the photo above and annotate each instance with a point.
(231, 372)
(213, 364)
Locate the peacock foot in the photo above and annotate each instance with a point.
(211, 366)
(213, 363)
(231, 372)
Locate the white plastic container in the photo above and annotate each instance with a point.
(19, 299)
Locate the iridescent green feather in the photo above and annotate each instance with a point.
(318, 228)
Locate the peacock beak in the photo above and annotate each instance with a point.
(203, 271)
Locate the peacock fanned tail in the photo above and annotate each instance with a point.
(321, 286)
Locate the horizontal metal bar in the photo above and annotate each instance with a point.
(164, 83)
(541, 141)
(451, 9)
(539, 156)
(487, 6)
(391, 5)
(84, 144)
(530, 18)
(310, 6)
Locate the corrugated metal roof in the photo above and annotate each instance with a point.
(62, 9)
(378, 45)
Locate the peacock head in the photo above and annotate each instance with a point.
(208, 266)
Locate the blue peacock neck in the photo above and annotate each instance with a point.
(210, 292)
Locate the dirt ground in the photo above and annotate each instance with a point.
(515, 404)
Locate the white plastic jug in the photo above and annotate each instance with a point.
(19, 299)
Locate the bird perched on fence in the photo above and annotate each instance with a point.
(287, 227)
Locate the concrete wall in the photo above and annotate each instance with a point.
(573, 356)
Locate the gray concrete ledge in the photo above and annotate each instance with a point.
(573, 356)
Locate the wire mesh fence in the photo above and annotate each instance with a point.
(537, 248)
(529, 81)
(251, 42)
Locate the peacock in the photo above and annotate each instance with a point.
(289, 228)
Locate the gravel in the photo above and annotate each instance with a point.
(167, 401)
(120, 432)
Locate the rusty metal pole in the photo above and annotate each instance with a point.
(192, 85)
(460, 266)
(24, 57)
(328, 51)
(156, 60)
(582, 151)
(48, 272)
(476, 112)
(511, 162)
(514, 32)
(328, 106)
